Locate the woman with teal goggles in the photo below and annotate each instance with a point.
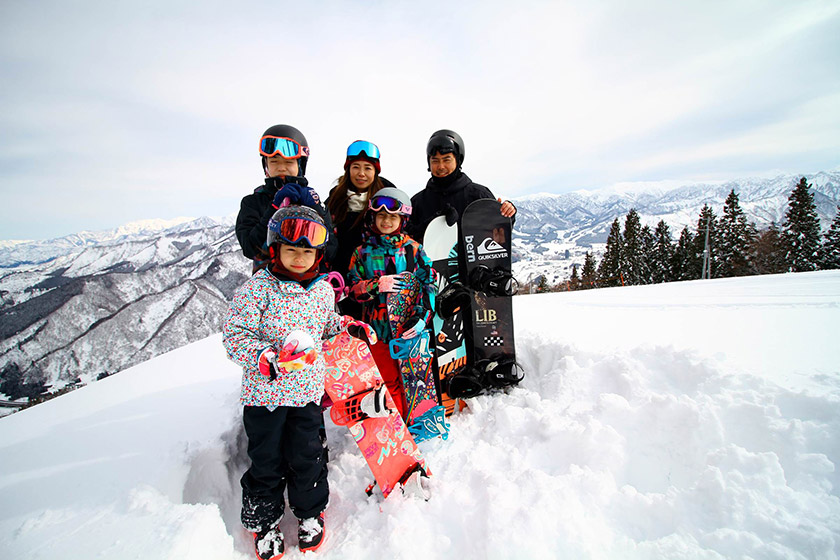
(348, 204)
(363, 147)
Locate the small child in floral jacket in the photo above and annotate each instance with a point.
(283, 381)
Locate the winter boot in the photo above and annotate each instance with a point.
(311, 532)
(269, 544)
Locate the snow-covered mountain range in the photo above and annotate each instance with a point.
(108, 305)
(95, 303)
(553, 232)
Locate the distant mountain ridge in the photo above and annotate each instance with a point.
(96, 303)
(22, 252)
(107, 306)
(554, 231)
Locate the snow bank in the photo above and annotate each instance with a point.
(691, 420)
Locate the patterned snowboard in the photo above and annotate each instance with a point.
(441, 244)
(416, 367)
(387, 445)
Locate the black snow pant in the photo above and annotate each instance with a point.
(285, 449)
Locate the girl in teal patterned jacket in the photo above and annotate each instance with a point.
(375, 270)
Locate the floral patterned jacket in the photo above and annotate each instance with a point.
(262, 313)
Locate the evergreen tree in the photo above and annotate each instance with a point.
(632, 259)
(647, 249)
(589, 273)
(662, 259)
(769, 252)
(801, 229)
(13, 383)
(706, 220)
(736, 240)
(682, 263)
(610, 268)
(830, 250)
(574, 279)
(542, 285)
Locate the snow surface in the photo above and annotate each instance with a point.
(687, 420)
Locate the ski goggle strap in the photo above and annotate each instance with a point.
(295, 230)
(286, 147)
(359, 146)
(391, 205)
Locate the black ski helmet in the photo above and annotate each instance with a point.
(288, 131)
(446, 142)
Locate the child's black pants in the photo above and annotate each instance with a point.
(285, 449)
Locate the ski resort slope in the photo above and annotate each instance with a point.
(687, 420)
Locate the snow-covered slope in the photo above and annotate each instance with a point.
(687, 420)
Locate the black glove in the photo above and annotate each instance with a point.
(360, 330)
(451, 215)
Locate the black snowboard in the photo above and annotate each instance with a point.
(485, 237)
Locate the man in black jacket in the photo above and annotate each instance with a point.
(449, 191)
(284, 151)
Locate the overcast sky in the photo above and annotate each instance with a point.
(112, 111)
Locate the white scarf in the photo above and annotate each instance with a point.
(357, 202)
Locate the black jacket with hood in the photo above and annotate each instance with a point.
(455, 191)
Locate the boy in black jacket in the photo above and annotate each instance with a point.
(284, 152)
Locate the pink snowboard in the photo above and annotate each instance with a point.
(385, 442)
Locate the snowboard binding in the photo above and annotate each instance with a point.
(429, 425)
(406, 348)
(369, 404)
(496, 372)
(454, 297)
(493, 281)
(465, 384)
(500, 371)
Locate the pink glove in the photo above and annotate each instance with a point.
(298, 352)
(291, 360)
(390, 283)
